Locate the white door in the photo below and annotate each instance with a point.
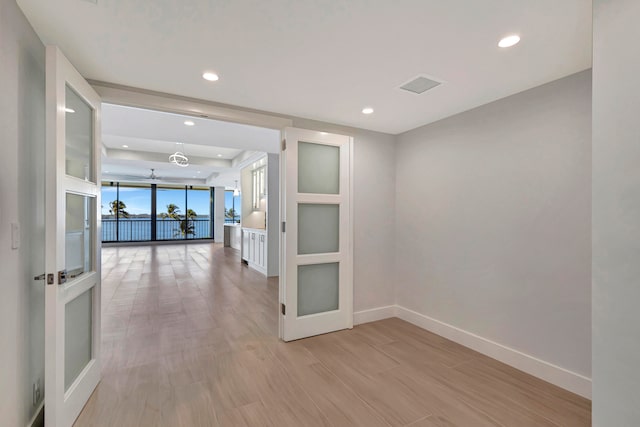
(318, 254)
(72, 307)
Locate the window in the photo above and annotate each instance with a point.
(171, 208)
(180, 212)
(232, 208)
(134, 203)
(199, 202)
(109, 192)
(126, 212)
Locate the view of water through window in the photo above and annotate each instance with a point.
(181, 212)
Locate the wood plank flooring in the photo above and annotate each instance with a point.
(190, 339)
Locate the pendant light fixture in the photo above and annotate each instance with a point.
(236, 192)
(179, 158)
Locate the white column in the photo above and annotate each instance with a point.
(616, 213)
(218, 214)
(273, 215)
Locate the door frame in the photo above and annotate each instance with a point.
(141, 98)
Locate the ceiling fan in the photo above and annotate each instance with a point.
(150, 177)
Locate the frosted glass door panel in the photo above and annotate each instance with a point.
(78, 235)
(318, 288)
(77, 336)
(318, 168)
(318, 228)
(79, 137)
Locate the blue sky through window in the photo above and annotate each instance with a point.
(138, 200)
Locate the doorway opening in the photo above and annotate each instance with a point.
(174, 264)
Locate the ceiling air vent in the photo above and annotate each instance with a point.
(420, 85)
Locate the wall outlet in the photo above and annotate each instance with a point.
(36, 393)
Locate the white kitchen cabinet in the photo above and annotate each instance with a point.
(259, 185)
(254, 248)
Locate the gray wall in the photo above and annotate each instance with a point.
(616, 213)
(22, 129)
(494, 225)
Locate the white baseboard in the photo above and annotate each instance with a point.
(546, 371)
(373, 314)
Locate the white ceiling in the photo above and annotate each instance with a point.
(216, 149)
(203, 139)
(323, 60)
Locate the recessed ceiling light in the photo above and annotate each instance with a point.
(189, 123)
(69, 110)
(509, 41)
(219, 155)
(323, 133)
(212, 77)
(367, 110)
(198, 172)
(125, 146)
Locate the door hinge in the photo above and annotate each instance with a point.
(36, 392)
(284, 226)
(283, 308)
(284, 144)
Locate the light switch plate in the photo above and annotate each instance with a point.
(15, 235)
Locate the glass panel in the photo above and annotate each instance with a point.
(199, 213)
(258, 189)
(109, 195)
(79, 136)
(318, 286)
(133, 209)
(78, 235)
(318, 228)
(170, 203)
(318, 168)
(77, 336)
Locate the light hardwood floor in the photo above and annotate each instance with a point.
(190, 339)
